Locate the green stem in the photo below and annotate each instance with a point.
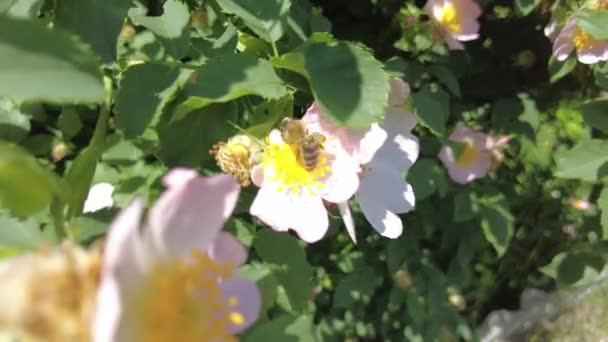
(275, 51)
(61, 230)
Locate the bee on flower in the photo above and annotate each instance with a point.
(301, 168)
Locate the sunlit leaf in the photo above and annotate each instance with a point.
(97, 22)
(497, 226)
(144, 91)
(266, 18)
(38, 63)
(172, 27)
(25, 186)
(587, 161)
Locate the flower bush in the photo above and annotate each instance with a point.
(300, 170)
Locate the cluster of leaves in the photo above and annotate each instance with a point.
(121, 91)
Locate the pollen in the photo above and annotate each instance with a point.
(447, 15)
(583, 40)
(287, 170)
(468, 155)
(182, 301)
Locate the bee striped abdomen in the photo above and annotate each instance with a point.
(310, 150)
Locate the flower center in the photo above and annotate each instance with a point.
(468, 155)
(182, 301)
(583, 40)
(289, 171)
(448, 16)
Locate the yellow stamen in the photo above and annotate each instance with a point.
(448, 17)
(583, 40)
(182, 301)
(237, 318)
(468, 155)
(288, 171)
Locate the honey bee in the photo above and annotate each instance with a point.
(306, 146)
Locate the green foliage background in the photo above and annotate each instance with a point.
(120, 91)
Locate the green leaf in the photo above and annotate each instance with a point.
(465, 207)
(79, 176)
(226, 78)
(172, 27)
(284, 328)
(446, 76)
(97, 22)
(48, 65)
(525, 7)
(432, 106)
(347, 81)
(14, 125)
(267, 114)
(186, 141)
(587, 161)
(558, 69)
(144, 91)
(595, 114)
(595, 23)
(356, 288)
(69, 122)
(569, 268)
(497, 226)
(27, 9)
(288, 261)
(602, 203)
(6, 4)
(266, 18)
(426, 177)
(25, 234)
(25, 186)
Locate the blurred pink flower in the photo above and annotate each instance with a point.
(580, 204)
(383, 192)
(588, 49)
(475, 159)
(291, 197)
(455, 19)
(168, 274)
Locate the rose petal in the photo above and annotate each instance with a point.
(384, 222)
(99, 197)
(370, 142)
(343, 179)
(188, 217)
(257, 175)
(304, 213)
(227, 248)
(400, 152)
(121, 277)
(179, 177)
(385, 186)
(347, 218)
(244, 300)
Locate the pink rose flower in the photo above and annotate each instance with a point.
(290, 196)
(455, 19)
(384, 151)
(588, 49)
(476, 157)
(168, 275)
